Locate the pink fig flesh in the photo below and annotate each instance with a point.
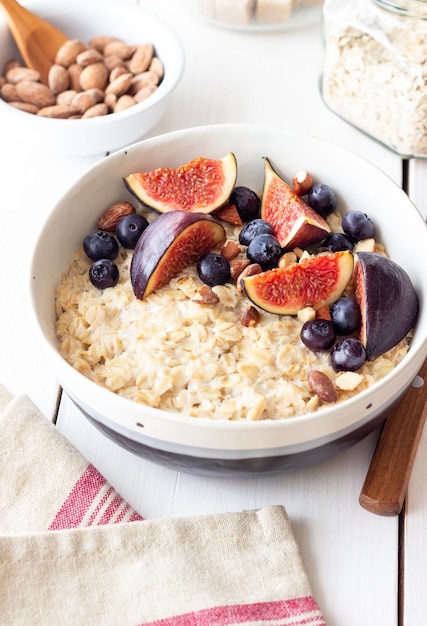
(388, 302)
(316, 282)
(295, 223)
(170, 243)
(201, 185)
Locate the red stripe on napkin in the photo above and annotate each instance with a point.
(296, 612)
(93, 502)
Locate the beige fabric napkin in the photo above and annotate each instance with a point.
(69, 554)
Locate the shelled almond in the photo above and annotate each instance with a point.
(105, 76)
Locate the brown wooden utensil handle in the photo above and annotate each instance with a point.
(386, 482)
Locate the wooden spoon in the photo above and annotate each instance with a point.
(386, 482)
(37, 40)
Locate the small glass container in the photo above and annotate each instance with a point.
(259, 15)
(375, 69)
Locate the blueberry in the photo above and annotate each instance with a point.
(348, 355)
(337, 241)
(246, 202)
(213, 269)
(322, 199)
(254, 228)
(100, 245)
(264, 249)
(104, 273)
(130, 228)
(345, 316)
(318, 335)
(357, 225)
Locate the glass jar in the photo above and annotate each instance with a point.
(375, 69)
(259, 15)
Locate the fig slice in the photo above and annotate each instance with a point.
(387, 299)
(295, 223)
(201, 185)
(170, 243)
(315, 281)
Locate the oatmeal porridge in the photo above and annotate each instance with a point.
(171, 352)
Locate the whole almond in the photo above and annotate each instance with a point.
(58, 79)
(111, 61)
(157, 67)
(75, 71)
(56, 111)
(143, 93)
(141, 58)
(9, 93)
(35, 93)
(118, 71)
(144, 79)
(17, 74)
(123, 103)
(94, 76)
(119, 49)
(68, 52)
(322, 386)
(87, 57)
(111, 101)
(98, 110)
(97, 94)
(66, 97)
(100, 42)
(25, 106)
(83, 101)
(111, 216)
(120, 85)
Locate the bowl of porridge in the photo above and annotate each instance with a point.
(213, 379)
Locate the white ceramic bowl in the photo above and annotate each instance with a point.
(84, 20)
(210, 446)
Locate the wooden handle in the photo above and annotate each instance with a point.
(386, 482)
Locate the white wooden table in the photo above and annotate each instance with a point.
(358, 563)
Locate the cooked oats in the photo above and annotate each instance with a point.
(172, 353)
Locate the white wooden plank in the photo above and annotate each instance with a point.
(415, 538)
(417, 182)
(415, 518)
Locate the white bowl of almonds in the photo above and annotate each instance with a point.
(110, 84)
(169, 342)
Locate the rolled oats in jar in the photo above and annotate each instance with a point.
(375, 69)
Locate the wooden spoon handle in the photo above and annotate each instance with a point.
(386, 482)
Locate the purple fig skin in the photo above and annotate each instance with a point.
(390, 303)
(154, 251)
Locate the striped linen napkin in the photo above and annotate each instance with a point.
(73, 552)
